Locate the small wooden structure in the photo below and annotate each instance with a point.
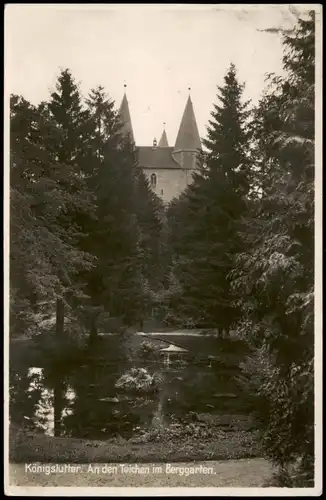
(173, 353)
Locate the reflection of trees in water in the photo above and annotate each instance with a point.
(194, 388)
(76, 403)
(95, 411)
(32, 399)
(88, 403)
(25, 394)
(142, 388)
(86, 418)
(31, 402)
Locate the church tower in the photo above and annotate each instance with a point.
(164, 140)
(124, 114)
(188, 141)
(169, 169)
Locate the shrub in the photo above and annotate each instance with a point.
(178, 431)
(148, 350)
(297, 475)
(138, 380)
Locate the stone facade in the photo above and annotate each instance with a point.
(168, 183)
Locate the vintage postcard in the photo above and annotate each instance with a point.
(163, 249)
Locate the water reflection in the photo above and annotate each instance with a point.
(42, 416)
(92, 405)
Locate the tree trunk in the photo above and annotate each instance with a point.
(59, 380)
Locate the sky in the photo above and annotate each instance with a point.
(158, 51)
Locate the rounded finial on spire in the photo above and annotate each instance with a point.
(189, 88)
(125, 85)
(164, 125)
(154, 142)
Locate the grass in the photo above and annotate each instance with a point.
(40, 448)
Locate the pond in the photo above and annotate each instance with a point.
(104, 397)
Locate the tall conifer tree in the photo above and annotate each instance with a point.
(115, 284)
(44, 258)
(210, 212)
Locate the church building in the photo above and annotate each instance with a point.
(169, 169)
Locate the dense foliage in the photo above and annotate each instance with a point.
(274, 278)
(44, 260)
(85, 225)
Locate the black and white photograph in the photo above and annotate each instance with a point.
(163, 249)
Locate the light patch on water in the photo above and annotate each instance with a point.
(70, 395)
(44, 414)
(34, 371)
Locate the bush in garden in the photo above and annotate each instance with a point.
(148, 350)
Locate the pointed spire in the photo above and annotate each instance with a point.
(125, 117)
(188, 136)
(164, 140)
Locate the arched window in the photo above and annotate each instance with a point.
(153, 180)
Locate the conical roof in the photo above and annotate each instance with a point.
(188, 136)
(174, 348)
(163, 141)
(124, 114)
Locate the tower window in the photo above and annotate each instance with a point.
(153, 180)
(162, 192)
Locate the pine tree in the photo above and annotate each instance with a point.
(228, 136)
(115, 284)
(43, 257)
(67, 111)
(274, 278)
(69, 146)
(210, 211)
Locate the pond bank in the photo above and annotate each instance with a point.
(25, 448)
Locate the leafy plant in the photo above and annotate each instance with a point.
(139, 380)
